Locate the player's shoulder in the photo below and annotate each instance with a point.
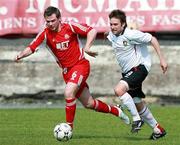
(65, 24)
(132, 33)
(77, 26)
(68, 25)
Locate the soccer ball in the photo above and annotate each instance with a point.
(63, 132)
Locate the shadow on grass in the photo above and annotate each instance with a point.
(136, 138)
(132, 138)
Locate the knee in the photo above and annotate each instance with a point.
(121, 88)
(118, 91)
(69, 94)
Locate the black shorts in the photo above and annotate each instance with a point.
(134, 78)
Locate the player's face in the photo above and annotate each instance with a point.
(52, 22)
(116, 26)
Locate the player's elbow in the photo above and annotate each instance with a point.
(153, 40)
(93, 32)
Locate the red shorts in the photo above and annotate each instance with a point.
(77, 74)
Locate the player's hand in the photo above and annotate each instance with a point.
(91, 53)
(17, 59)
(164, 66)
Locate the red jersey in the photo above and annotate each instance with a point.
(65, 44)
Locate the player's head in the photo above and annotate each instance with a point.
(52, 17)
(117, 21)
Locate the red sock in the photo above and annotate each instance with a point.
(114, 111)
(160, 128)
(70, 111)
(102, 107)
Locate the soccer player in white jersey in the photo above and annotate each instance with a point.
(130, 47)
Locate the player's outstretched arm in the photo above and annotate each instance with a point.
(26, 52)
(163, 62)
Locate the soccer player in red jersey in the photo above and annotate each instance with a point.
(63, 42)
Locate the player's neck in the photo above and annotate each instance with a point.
(59, 27)
(120, 33)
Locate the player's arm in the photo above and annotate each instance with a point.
(89, 32)
(32, 47)
(156, 46)
(26, 52)
(90, 39)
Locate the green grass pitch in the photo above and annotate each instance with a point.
(35, 127)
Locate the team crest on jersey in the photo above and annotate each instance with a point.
(125, 43)
(66, 36)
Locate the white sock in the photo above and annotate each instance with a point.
(129, 103)
(147, 116)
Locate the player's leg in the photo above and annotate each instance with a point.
(75, 77)
(121, 91)
(70, 92)
(89, 102)
(134, 79)
(148, 117)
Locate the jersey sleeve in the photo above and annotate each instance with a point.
(81, 29)
(37, 41)
(110, 36)
(138, 37)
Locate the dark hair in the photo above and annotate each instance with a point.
(119, 15)
(52, 10)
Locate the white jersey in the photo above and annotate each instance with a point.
(131, 49)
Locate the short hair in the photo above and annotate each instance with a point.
(119, 15)
(52, 10)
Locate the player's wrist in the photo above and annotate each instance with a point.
(18, 57)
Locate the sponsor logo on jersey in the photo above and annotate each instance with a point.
(62, 45)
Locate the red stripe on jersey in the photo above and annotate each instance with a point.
(81, 29)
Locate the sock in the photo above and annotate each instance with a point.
(158, 129)
(102, 107)
(129, 103)
(147, 116)
(70, 111)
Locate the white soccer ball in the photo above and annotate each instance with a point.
(63, 132)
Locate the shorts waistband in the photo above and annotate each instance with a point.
(136, 68)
